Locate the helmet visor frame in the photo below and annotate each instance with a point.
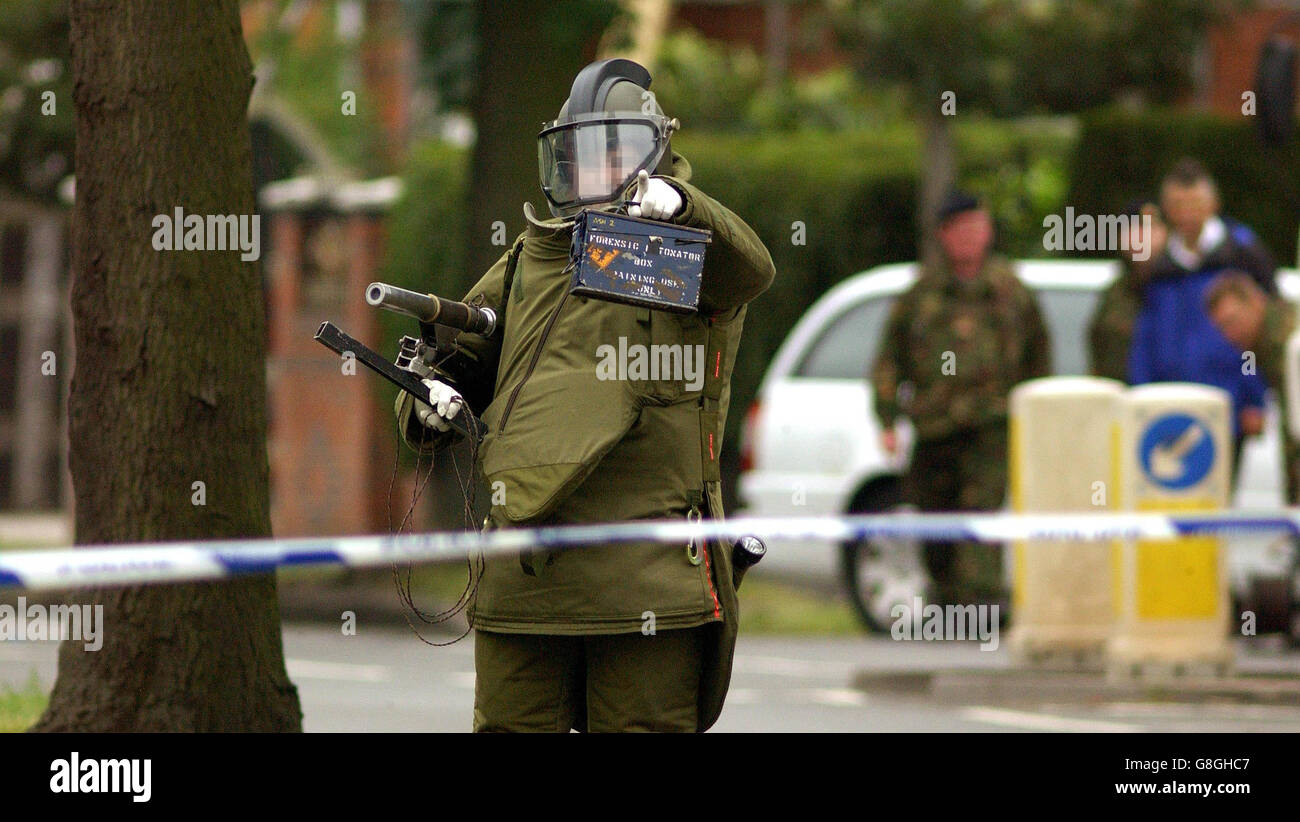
(594, 158)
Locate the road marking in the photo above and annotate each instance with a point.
(837, 697)
(786, 666)
(462, 679)
(345, 671)
(743, 696)
(1042, 722)
(778, 666)
(834, 697)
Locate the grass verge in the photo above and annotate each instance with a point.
(21, 707)
(770, 607)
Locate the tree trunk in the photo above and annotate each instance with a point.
(649, 24)
(938, 174)
(529, 52)
(169, 388)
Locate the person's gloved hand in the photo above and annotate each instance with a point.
(656, 199)
(444, 404)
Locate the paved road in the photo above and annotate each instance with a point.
(386, 680)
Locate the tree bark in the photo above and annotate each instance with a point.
(938, 174)
(169, 387)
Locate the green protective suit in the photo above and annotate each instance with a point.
(1270, 348)
(566, 446)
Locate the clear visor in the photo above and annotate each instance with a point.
(595, 161)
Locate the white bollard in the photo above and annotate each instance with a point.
(1291, 389)
(1062, 459)
(1175, 455)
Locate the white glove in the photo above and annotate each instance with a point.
(657, 200)
(444, 404)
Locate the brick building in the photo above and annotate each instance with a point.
(331, 441)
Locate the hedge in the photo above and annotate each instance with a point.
(1122, 155)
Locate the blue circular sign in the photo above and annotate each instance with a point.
(1176, 451)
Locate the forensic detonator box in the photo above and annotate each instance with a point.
(641, 262)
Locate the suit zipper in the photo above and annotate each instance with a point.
(537, 354)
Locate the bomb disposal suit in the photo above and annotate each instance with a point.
(616, 636)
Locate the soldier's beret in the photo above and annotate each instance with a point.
(955, 203)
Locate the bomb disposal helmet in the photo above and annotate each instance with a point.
(610, 129)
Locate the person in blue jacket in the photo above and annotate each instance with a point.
(1174, 339)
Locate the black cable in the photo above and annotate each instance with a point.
(475, 569)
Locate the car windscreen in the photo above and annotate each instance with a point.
(1067, 312)
(847, 346)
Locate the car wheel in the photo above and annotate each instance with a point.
(1270, 599)
(882, 572)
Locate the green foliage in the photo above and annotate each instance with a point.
(21, 707)
(833, 100)
(311, 70)
(426, 225)
(450, 39)
(771, 607)
(717, 87)
(930, 45)
(1068, 57)
(1011, 57)
(426, 232)
(448, 49)
(1122, 155)
(35, 147)
(1021, 171)
(707, 85)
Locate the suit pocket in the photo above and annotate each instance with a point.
(672, 364)
(561, 426)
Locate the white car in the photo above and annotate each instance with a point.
(811, 441)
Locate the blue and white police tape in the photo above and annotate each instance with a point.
(158, 562)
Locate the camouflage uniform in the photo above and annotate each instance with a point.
(1110, 333)
(1270, 358)
(951, 353)
(1270, 348)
